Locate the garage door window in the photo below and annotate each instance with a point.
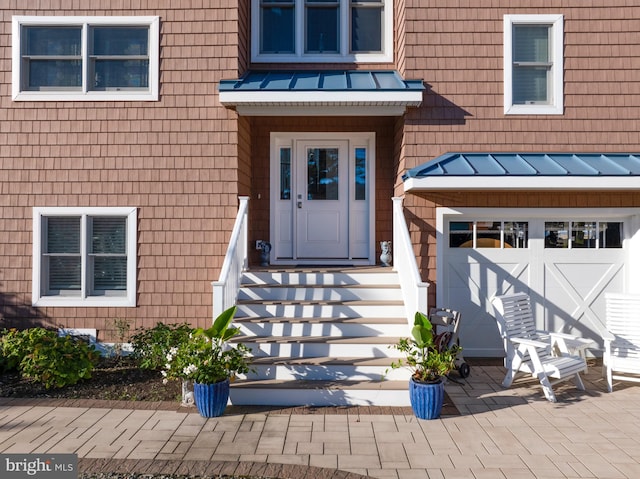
(488, 234)
(583, 234)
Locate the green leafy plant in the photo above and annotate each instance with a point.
(151, 345)
(43, 356)
(428, 362)
(16, 344)
(205, 356)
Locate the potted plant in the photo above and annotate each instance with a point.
(429, 364)
(207, 359)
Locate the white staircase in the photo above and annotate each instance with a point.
(322, 337)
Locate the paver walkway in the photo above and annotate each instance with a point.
(513, 433)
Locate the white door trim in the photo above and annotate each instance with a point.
(282, 218)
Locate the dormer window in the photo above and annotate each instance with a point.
(322, 31)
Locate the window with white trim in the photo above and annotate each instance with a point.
(85, 58)
(489, 234)
(583, 234)
(84, 257)
(322, 30)
(533, 64)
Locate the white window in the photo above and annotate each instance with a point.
(84, 257)
(533, 64)
(322, 30)
(85, 58)
(489, 234)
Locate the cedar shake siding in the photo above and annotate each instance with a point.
(459, 53)
(176, 160)
(183, 160)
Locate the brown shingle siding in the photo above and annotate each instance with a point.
(167, 158)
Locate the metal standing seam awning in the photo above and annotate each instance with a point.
(528, 171)
(308, 93)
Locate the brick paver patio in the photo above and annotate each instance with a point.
(498, 433)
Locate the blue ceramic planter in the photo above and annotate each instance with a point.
(211, 399)
(426, 399)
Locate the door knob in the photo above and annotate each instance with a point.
(299, 204)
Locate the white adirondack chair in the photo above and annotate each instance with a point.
(544, 355)
(622, 338)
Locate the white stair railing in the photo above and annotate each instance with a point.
(225, 290)
(414, 290)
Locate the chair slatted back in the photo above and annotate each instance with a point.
(516, 316)
(623, 321)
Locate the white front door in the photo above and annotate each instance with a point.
(566, 260)
(321, 199)
(320, 196)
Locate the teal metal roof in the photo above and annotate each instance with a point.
(529, 164)
(334, 80)
(311, 93)
(526, 170)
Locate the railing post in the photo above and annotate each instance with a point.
(414, 290)
(225, 290)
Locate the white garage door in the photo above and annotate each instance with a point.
(565, 260)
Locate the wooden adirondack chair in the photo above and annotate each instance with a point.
(622, 338)
(544, 355)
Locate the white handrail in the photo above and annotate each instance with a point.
(414, 290)
(225, 290)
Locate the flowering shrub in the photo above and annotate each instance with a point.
(150, 346)
(205, 357)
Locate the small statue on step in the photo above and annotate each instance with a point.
(265, 250)
(385, 256)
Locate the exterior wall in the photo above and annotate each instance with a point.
(176, 160)
(459, 53)
(261, 128)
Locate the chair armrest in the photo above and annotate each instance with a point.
(607, 336)
(530, 342)
(563, 335)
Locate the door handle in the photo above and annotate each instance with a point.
(300, 204)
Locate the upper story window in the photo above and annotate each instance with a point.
(84, 257)
(85, 58)
(322, 30)
(533, 64)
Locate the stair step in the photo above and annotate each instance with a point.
(319, 393)
(317, 339)
(280, 292)
(348, 327)
(294, 302)
(310, 384)
(355, 320)
(312, 309)
(323, 361)
(321, 276)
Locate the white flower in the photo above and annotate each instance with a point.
(164, 373)
(168, 366)
(192, 368)
(172, 352)
(165, 381)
